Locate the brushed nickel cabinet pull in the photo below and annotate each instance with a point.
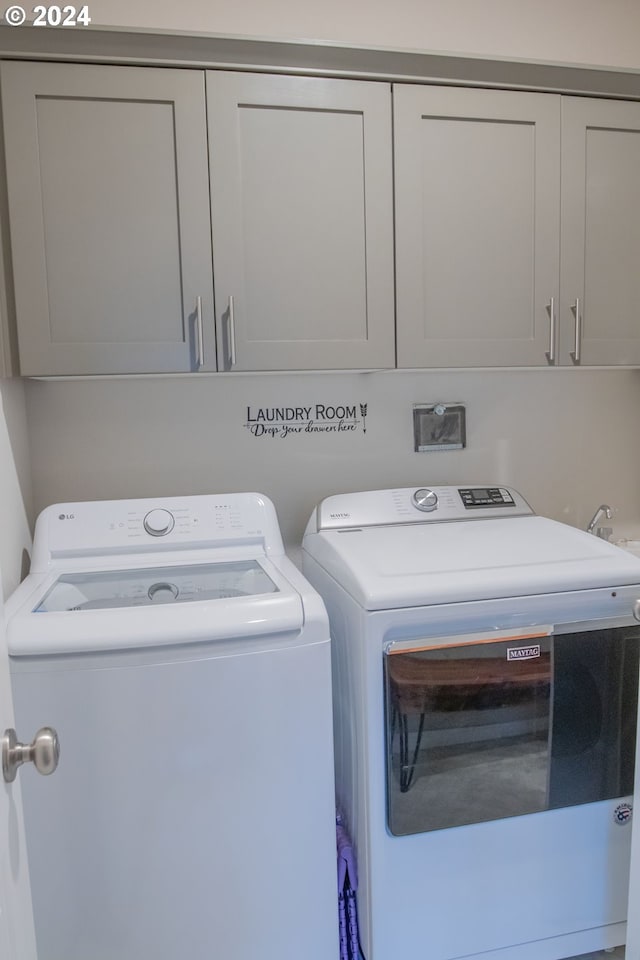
(575, 354)
(199, 333)
(551, 352)
(232, 335)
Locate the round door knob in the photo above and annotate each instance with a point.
(158, 523)
(43, 752)
(425, 500)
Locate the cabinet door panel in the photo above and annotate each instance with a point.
(477, 199)
(302, 220)
(601, 230)
(108, 187)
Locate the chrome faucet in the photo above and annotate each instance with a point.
(603, 532)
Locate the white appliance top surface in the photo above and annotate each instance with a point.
(385, 564)
(135, 573)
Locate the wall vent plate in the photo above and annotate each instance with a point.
(439, 426)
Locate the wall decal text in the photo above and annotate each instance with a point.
(316, 418)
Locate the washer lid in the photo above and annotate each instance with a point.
(136, 607)
(407, 565)
(109, 589)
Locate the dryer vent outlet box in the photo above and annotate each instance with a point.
(439, 426)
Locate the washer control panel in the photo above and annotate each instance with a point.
(107, 527)
(420, 505)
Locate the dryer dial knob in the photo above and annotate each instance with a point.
(159, 523)
(425, 500)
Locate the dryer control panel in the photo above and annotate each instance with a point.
(480, 497)
(420, 505)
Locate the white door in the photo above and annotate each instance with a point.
(17, 938)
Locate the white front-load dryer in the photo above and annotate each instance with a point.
(485, 665)
(185, 664)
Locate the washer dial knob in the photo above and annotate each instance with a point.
(425, 500)
(159, 523)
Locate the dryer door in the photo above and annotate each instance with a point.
(483, 727)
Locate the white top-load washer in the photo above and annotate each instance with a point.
(185, 664)
(485, 665)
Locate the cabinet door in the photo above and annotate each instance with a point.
(109, 216)
(600, 258)
(301, 199)
(477, 180)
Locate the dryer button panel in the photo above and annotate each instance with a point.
(474, 497)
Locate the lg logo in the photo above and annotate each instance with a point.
(66, 516)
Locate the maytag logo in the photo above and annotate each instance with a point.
(339, 516)
(523, 653)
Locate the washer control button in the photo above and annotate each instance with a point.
(425, 500)
(159, 523)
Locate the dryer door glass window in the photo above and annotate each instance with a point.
(595, 704)
(483, 729)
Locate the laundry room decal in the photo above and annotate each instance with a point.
(316, 418)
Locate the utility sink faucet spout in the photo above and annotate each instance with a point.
(600, 532)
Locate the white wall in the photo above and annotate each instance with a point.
(599, 32)
(566, 439)
(15, 485)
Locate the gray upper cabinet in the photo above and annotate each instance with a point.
(517, 228)
(107, 179)
(302, 221)
(600, 260)
(135, 192)
(477, 226)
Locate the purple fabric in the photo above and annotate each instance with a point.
(347, 886)
(344, 935)
(352, 923)
(346, 859)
